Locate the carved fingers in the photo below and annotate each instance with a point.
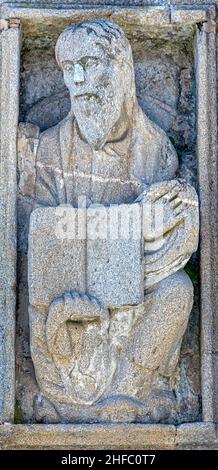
(74, 307)
(164, 206)
(163, 189)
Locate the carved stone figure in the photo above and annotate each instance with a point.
(99, 356)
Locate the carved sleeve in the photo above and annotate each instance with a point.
(28, 140)
(168, 161)
(37, 165)
(171, 252)
(46, 193)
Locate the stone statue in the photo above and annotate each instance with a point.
(95, 360)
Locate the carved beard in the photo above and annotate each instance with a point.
(95, 117)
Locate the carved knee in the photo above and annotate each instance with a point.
(177, 292)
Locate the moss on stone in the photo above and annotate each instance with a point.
(192, 273)
(17, 414)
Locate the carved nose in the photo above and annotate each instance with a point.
(78, 74)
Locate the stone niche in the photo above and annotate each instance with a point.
(174, 62)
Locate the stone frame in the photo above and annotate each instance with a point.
(111, 436)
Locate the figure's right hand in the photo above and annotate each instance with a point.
(72, 307)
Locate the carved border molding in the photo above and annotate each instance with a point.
(202, 18)
(206, 76)
(146, 16)
(9, 102)
(109, 436)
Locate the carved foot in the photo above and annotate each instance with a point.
(119, 409)
(161, 407)
(45, 411)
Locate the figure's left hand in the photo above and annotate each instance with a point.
(164, 208)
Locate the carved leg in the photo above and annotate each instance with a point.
(153, 345)
(157, 336)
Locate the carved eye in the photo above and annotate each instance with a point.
(90, 62)
(68, 67)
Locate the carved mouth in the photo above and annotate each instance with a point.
(87, 95)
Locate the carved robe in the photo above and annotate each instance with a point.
(135, 156)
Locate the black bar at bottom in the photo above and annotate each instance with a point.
(96, 458)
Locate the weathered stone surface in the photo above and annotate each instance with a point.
(47, 242)
(82, 437)
(113, 2)
(196, 436)
(66, 372)
(9, 68)
(188, 385)
(54, 260)
(109, 436)
(188, 16)
(215, 383)
(179, 195)
(105, 242)
(28, 137)
(115, 255)
(207, 170)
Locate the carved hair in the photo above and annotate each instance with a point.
(108, 35)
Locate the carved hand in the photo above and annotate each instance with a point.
(73, 307)
(163, 209)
